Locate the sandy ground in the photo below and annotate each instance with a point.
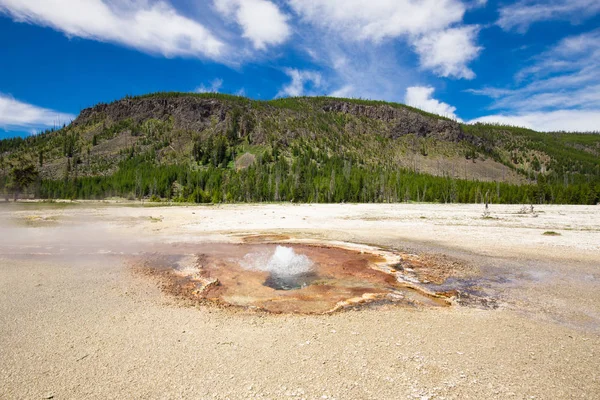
(75, 322)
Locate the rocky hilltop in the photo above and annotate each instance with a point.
(197, 113)
(188, 112)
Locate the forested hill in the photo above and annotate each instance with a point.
(221, 148)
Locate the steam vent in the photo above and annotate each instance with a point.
(289, 278)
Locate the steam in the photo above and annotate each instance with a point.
(283, 262)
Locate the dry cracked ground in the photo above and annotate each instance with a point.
(79, 317)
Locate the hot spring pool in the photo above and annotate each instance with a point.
(283, 278)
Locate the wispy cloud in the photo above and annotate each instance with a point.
(19, 116)
(521, 15)
(344, 91)
(361, 70)
(213, 87)
(153, 27)
(432, 27)
(380, 19)
(561, 82)
(303, 83)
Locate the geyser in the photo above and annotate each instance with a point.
(263, 276)
(287, 270)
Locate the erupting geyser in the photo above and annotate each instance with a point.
(296, 278)
(287, 270)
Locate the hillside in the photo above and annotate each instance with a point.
(216, 148)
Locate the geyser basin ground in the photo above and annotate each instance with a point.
(76, 323)
(288, 278)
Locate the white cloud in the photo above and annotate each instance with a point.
(432, 27)
(559, 90)
(16, 115)
(214, 86)
(303, 83)
(379, 19)
(262, 22)
(154, 27)
(478, 3)
(521, 15)
(549, 99)
(360, 70)
(344, 91)
(421, 97)
(448, 52)
(492, 92)
(575, 56)
(559, 120)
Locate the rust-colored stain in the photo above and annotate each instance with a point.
(339, 279)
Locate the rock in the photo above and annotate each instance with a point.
(205, 283)
(405, 121)
(189, 113)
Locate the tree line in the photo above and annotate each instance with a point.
(299, 179)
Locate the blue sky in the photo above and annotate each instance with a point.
(527, 62)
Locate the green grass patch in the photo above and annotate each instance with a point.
(551, 233)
